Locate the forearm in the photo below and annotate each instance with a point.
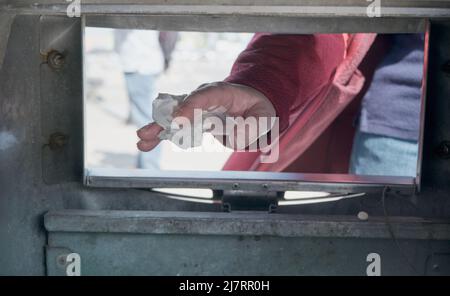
(288, 69)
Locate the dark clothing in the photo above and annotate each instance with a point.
(391, 106)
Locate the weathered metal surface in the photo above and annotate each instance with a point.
(251, 181)
(6, 20)
(187, 254)
(285, 16)
(61, 87)
(397, 8)
(248, 243)
(275, 24)
(20, 205)
(435, 168)
(29, 180)
(38, 102)
(243, 223)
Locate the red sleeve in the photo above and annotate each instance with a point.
(288, 69)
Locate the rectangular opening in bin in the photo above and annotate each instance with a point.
(184, 54)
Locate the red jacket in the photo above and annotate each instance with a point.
(315, 83)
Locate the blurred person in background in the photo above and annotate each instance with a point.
(144, 56)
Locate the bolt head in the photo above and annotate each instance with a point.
(55, 59)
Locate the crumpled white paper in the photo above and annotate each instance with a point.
(163, 108)
(162, 112)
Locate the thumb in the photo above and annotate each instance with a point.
(206, 98)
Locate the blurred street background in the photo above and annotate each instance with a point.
(110, 138)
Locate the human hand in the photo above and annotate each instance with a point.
(236, 100)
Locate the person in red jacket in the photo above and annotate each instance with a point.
(312, 83)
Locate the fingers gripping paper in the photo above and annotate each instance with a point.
(190, 133)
